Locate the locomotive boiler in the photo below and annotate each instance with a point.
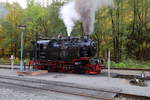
(66, 54)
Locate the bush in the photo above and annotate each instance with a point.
(130, 64)
(4, 60)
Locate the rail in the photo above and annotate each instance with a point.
(67, 88)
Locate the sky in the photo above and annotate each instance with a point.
(23, 2)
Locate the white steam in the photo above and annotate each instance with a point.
(69, 15)
(84, 11)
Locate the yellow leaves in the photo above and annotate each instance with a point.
(125, 4)
(128, 19)
(145, 45)
(148, 25)
(14, 16)
(106, 39)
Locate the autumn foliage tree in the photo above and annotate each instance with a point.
(125, 29)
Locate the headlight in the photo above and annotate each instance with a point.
(94, 61)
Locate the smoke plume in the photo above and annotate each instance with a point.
(69, 16)
(84, 11)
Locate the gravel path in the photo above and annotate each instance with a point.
(94, 81)
(11, 92)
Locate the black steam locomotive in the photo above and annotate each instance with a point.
(66, 54)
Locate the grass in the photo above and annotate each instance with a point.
(131, 64)
(6, 60)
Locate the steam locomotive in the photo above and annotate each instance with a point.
(66, 54)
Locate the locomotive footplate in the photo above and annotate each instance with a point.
(80, 66)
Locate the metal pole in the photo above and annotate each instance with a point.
(12, 62)
(21, 60)
(108, 62)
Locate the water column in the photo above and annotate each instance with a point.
(22, 28)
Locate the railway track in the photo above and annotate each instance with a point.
(71, 89)
(132, 69)
(131, 77)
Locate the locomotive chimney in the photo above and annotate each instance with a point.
(68, 38)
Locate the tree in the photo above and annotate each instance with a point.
(10, 28)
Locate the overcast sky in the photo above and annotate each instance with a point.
(23, 2)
